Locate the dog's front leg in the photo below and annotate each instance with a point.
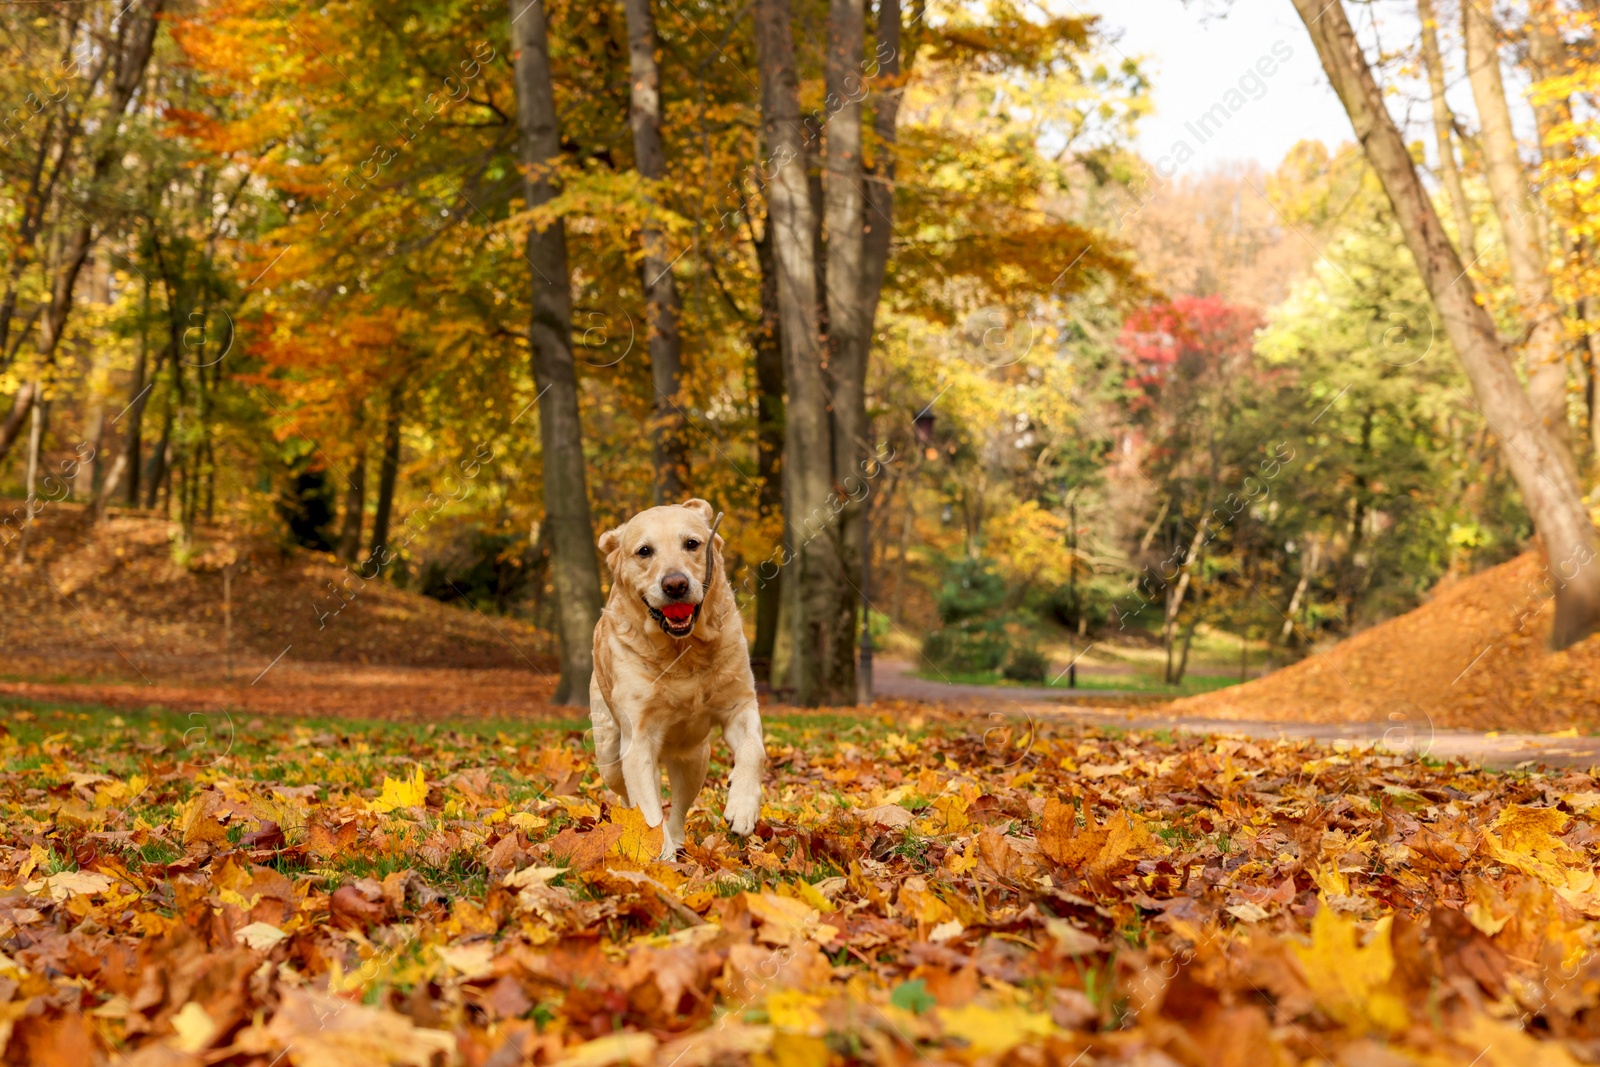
(641, 770)
(742, 731)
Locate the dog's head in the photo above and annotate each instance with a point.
(659, 556)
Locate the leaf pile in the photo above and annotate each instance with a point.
(1472, 657)
(921, 888)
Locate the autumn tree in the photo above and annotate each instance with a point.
(1533, 451)
(121, 53)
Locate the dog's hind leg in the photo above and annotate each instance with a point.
(607, 745)
(686, 773)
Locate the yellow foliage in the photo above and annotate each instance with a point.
(994, 1031)
(405, 793)
(1348, 979)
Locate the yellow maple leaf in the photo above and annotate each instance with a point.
(786, 921)
(36, 856)
(194, 1028)
(640, 842)
(1330, 879)
(1528, 829)
(993, 1031)
(1125, 836)
(1506, 1045)
(804, 890)
(1348, 979)
(962, 862)
(405, 793)
(1099, 848)
(796, 1011)
(945, 815)
(1527, 838)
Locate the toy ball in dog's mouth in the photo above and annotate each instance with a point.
(676, 618)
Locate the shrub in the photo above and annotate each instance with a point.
(967, 647)
(491, 568)
(1026, 664)
(971, 590)
(1095, 599)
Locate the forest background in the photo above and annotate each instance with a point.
(444, 290)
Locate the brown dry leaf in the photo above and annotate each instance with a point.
(315, 1030)
(352, 909)
(582, 850)
(202, 831)
(1096, 849)
(1060, 838)
(329, 841)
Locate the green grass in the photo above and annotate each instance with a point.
(1135, 683)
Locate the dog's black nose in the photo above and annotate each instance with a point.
(675, 585)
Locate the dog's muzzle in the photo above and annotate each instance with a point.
(676, 618)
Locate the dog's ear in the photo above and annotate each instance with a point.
(609, 541)
(705, 509)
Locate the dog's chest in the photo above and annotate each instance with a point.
(688, 690)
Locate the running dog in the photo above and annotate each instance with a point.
(670, 660)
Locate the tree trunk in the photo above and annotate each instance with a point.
(1183, 657)
(355, 501)
(1308, 568)
(767, 341)
(849, 320)
(1549, 490)
(108, 488)
(157, 469)
(86, 479)
(35, 442)
(812, 590)
(669, 445)
(1177, 592)
(388, 471)
(133, 455)
(1544, 354)
(566, 495)
(879, 224)
(1443, 120)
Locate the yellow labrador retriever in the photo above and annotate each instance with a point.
(669, 661)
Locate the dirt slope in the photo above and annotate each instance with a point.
(1460, 660)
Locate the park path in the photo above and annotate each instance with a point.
(894, 678)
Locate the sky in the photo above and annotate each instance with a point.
(1194, 58)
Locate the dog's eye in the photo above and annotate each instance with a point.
(691, 544)
(644, 551)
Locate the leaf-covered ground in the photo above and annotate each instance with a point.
(923, 888)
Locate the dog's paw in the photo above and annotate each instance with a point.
(670, 850)
(742, 812)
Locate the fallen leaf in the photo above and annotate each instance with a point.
(405, 793)
(260, 936)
